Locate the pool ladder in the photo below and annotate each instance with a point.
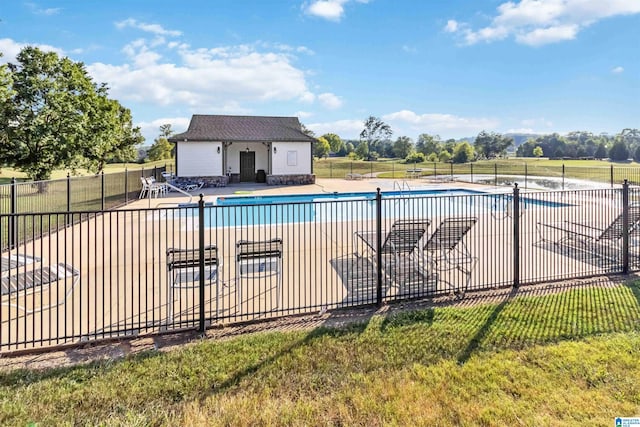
(404, 186)
(401, 186)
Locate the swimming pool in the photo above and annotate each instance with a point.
(338, 207)
(319, 197)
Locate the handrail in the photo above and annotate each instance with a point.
(402, 186)
(179, 190)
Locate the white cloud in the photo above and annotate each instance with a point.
(452, 26)
(440, 123)
(327, 9)
(542, 36)
(151, 129)
(409, 49)
(11, 48)
(222, 78)
(617, 70)
(332, 10)
(349, 129)
(521, 130)
(307, 97)
(149, 28)
(40, 11)
(330, 101)
(303, 114)
(540, 22)
(537, 122)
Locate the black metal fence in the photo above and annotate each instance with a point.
(71, 194)
(138, 271)
(485, 173)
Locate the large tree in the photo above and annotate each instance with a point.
(5, 99)
(619, 151)
(402, 147)
(601, 152)
(491, 145)
(375, 132)
(321, 148)
(161, 148)
(109, 135)
(56, 116)
(335, 143)
(631, 137)
(428, 144)
(462, 153)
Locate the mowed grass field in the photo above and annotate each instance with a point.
(7, 173)
(597, 170)
(569, 358)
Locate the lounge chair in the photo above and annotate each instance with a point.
(354, 176)
(600, 239)
(184, 186)
(257, 260)
(400, 242)
(24, 276)
(446, 250)
(183, 267)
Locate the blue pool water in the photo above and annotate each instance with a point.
(308, 198)
(336, 207)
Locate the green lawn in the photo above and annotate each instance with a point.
(563, 359)
(7, 173)
(338, 167)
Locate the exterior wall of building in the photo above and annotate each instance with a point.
(233, 156)
(199, 159)
(291, 158)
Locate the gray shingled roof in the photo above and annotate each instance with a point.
(242, 128)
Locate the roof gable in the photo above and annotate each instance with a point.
(242, 128)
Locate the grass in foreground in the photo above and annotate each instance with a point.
(565, 359)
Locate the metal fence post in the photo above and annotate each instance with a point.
(611, 176)
(13, 225)
(379, 248)
(495, 174)
(102, 190)
(351, 167)
(516, 235)
(471, 166)
(201, 261)
(563, 176)
(68, 193)
(625, 231)
(126, 186)
(435, 170)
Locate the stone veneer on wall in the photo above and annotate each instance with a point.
(291, 179)
(223, 181)
(209, 181)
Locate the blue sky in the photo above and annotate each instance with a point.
(446, 67)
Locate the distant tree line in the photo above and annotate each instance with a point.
(581, 144)
(376, 142)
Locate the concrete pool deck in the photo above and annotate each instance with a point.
(321, 186)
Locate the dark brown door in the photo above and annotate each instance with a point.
(247, 166)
